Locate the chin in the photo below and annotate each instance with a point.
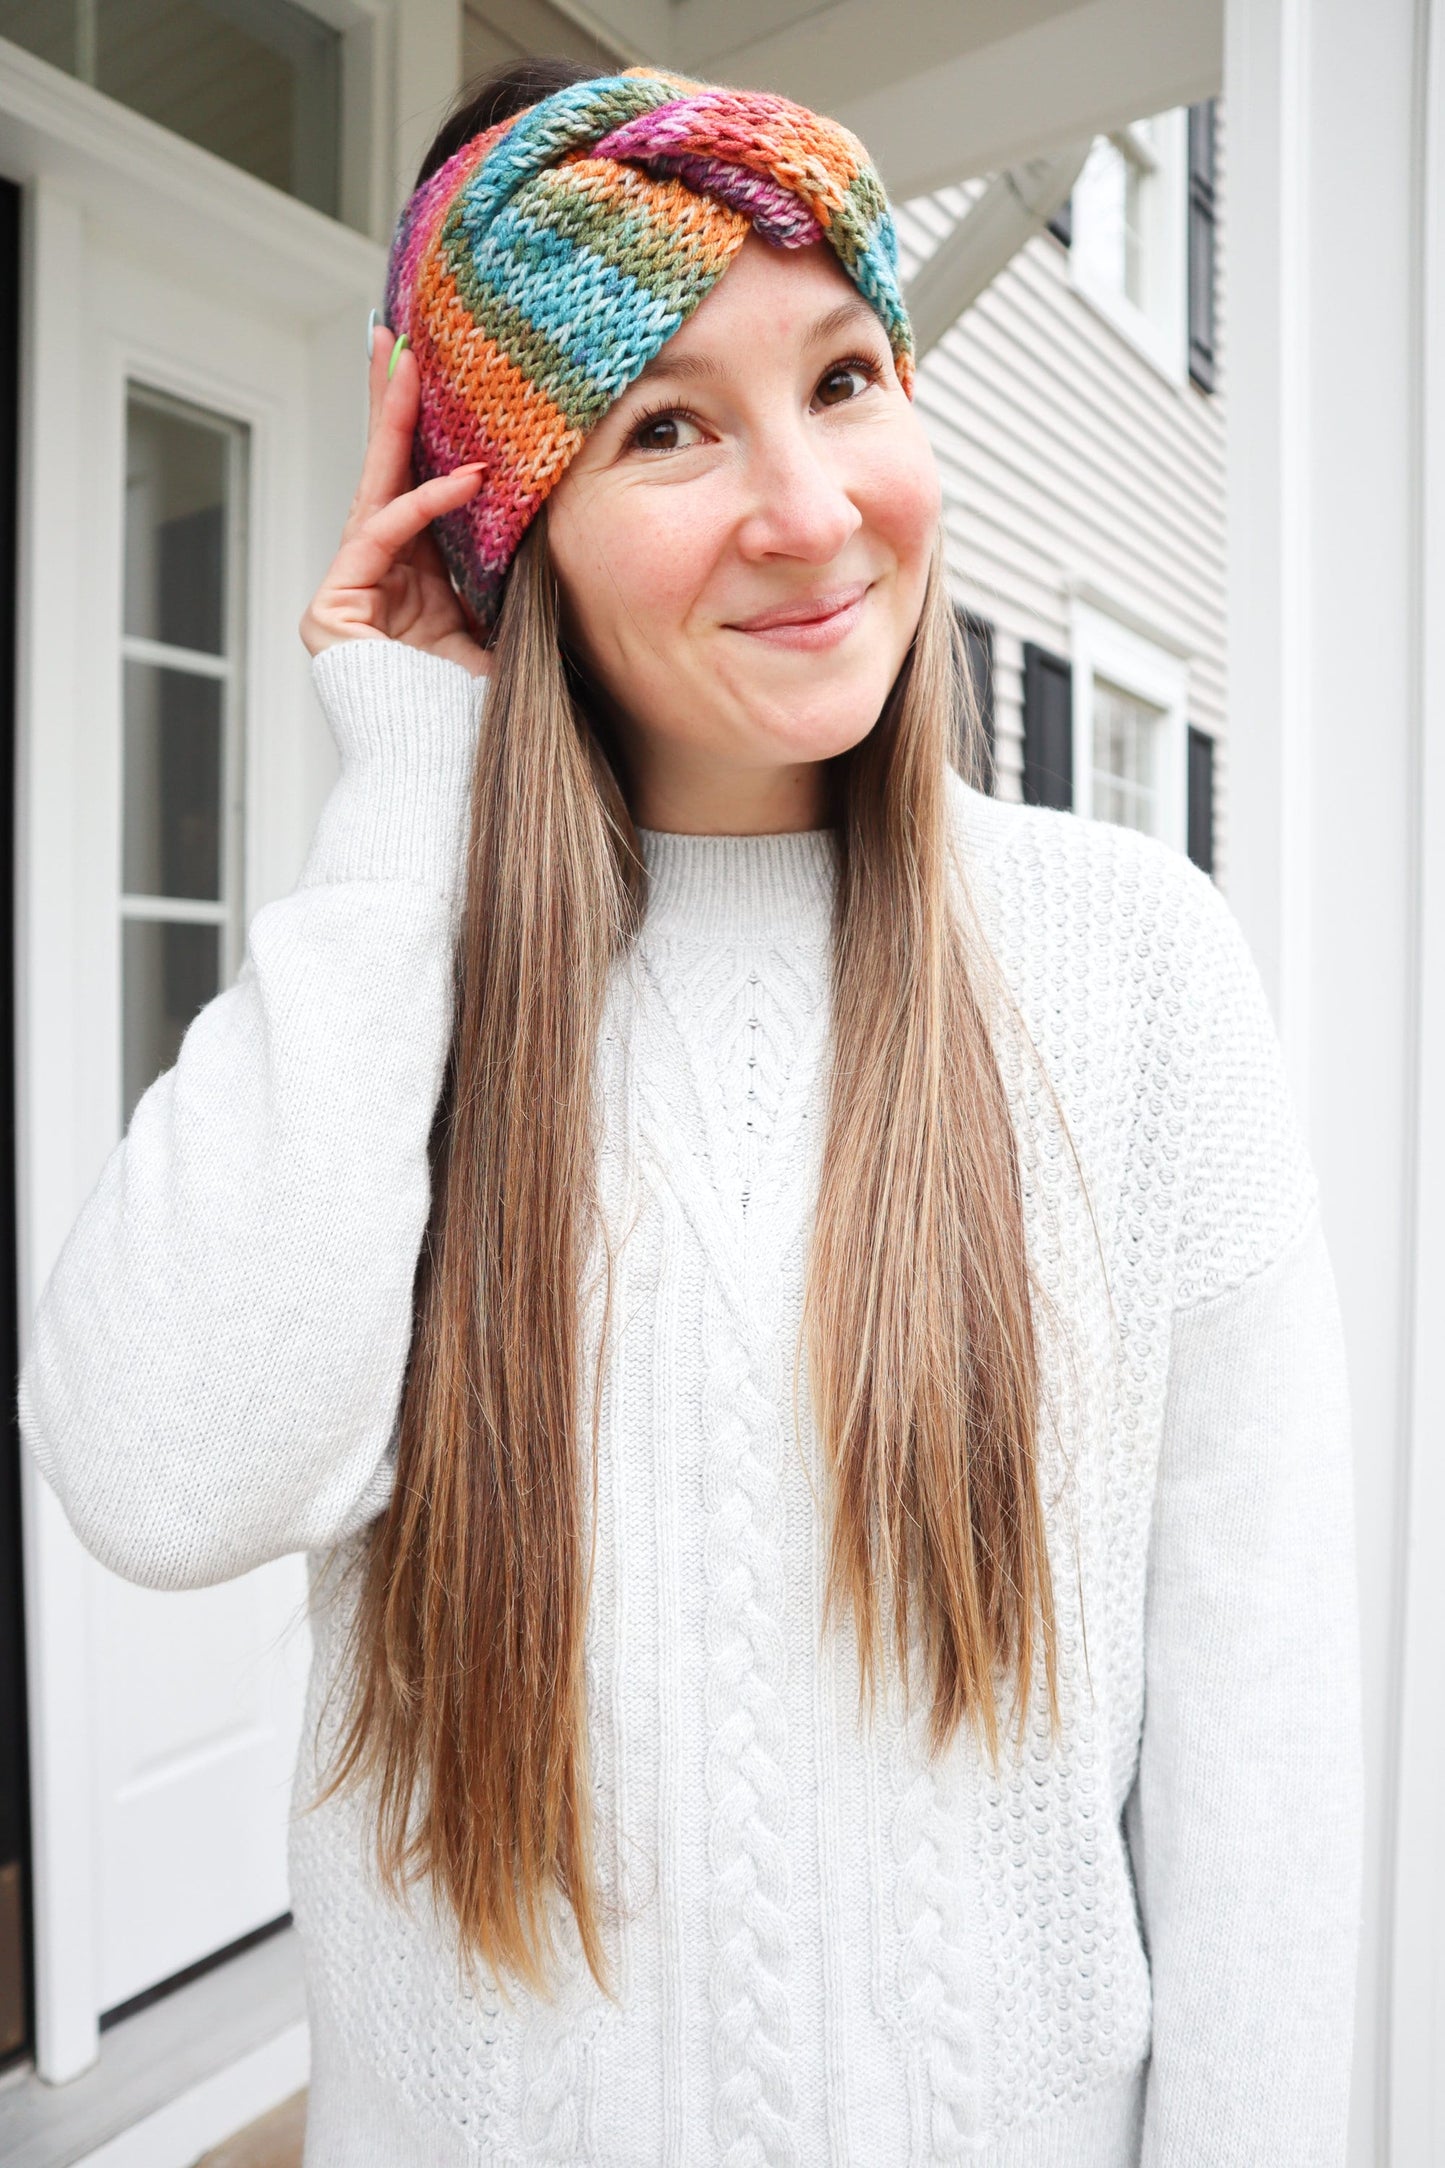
(827, 726)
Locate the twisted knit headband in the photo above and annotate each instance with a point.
(539, 270)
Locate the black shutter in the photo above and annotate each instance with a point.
(1061, 225)
(1200, 817)
(978, 654)
(1048, 729)
(1201, 244)
(15, 1996)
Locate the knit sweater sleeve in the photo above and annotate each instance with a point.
(215, 1363)
(1244, 1824)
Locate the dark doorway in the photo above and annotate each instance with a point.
(15, 1998)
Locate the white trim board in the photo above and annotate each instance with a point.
(1080, 587)
(176, 2135)
(1414, 2077)
(176, 2078)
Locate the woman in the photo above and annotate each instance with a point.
(785, 1297)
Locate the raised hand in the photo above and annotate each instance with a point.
(387, 580)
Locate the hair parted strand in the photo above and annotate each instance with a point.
(917, 1317)
(469, 1630)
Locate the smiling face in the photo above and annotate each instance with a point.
(742, 546)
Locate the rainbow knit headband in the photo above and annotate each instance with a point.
(539, 270)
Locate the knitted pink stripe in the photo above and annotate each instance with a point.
(777, 215)
(658, 141)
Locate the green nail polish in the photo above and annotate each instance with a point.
(396, 356)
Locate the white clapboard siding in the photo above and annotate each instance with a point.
(1067, 456)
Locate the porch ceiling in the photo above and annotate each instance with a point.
(939, 89)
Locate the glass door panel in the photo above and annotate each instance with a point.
(181, 795)
(174, 783)
(176, 489)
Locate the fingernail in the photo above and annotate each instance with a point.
(371, 323)
(396, 356)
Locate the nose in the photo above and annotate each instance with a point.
(798, 504)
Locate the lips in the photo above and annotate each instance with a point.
(813, 610)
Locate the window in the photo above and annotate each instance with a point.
(1128, 228)
(181, 708)
(1129, 727)
(1125, 758)
(258, 82)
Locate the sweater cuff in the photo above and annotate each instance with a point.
(405, 724)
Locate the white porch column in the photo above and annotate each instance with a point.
(1337, 813)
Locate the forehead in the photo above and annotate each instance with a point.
(767, 292)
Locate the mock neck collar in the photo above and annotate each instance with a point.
(726, 886)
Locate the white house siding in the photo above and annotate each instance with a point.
(1067, 457)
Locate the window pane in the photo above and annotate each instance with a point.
(47, 28)
(175, 528)
(1105, 182)
(1115, 189)
(173, 783)
(1126, 747)
(169, 972)
(256, 81)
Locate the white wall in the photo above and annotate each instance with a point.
(1335, 111)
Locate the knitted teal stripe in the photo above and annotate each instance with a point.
(570, 119)
(567, 384)
(640, 239)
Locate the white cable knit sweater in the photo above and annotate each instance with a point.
(830, 1948)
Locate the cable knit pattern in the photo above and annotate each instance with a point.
(746, 1784)
(935, 1991)
(1130, 1946)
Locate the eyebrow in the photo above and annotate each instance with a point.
(702, 368)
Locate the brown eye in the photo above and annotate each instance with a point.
(664, 432)
(843, 383)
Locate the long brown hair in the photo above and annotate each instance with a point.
(467, 1684)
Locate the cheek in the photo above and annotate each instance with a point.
(900, 496)
(631, 566)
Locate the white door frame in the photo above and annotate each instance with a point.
(1336, 418)
(1416, 2075)
(99, 180)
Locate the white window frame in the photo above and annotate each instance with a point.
(1158, 326)
(1104, 647)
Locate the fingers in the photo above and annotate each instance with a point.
(370, 550)
(394, 403)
